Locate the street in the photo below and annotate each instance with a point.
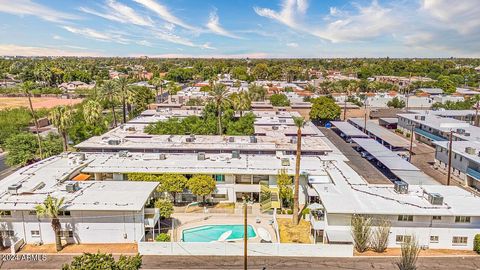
(206, 262)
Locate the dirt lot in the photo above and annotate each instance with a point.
(43, 102)
(290, 233)
(423, 253)
(81, 248)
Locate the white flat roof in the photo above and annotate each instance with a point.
(50, 176)
(189, 164)
(382, 133)
(349, 130)
(459, 147)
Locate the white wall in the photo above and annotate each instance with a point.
(236, 249)
(87, 226)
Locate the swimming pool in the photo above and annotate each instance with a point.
(209, 233)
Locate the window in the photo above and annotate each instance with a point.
(434, 239)
(403, 238)
(462, 219)
(219, 196)
(459, 240)
(64, 213)
(437, 218)
(32, 213)
(219, 177)
(7, 233)
(35, 233)
(5, 213)
(405, 218)
(66, 233)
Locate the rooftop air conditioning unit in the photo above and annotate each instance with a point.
(189, 139)
(293, 140)
(72, 187)
(81, 156)
(282, 120)
(201, 156)
(130, 128)
(235, 154)
(114, 142)
(274, 127)
(285, 162)
(253, 139)
(400, 187)
(123, 153)
(435, 198)
(13, 189)
(470, 150)
(461, 131)
(162, 157)
(231, 139)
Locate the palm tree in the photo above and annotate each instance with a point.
(62, 119)
(158, 83)
(299, 123)
(51, 208)
(245, 102)
(122, 84)
(220, 95)
(110, 96)
(27, 86)
(92, 112)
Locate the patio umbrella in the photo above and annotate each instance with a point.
(315, 206)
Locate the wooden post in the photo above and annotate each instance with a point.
(449, 158)
(245, 235)
(411, 143)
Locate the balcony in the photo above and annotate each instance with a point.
(473, 173)
(429, 135)
(152, 215)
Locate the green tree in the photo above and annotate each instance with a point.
(219, 94)
(162, 237)
(21, 149)
(123, 89)
(446, 84)
(27, 87)
(256, 92)
(165, 207)
(396, 103)
(173, 184)
(109, 95)
(260, 71)
(104, 261)
(279, 100)
(62, 118)
(92, 112)
(51, 208)
(324, 108)
(361, 229)
(201, 185)
(13, 121)
(284, 183)
(299, 123)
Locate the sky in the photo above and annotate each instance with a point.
(241, 28)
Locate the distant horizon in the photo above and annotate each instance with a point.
(237, 29)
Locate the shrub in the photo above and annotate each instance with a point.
(104, 261)
(380, 236)
(410, 250)
(476, 243)
(163, 237)
(305, 212)
(361, 227)
(289, 211)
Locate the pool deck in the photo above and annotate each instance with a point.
(190, 220)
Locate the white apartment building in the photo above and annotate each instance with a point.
(93, 211)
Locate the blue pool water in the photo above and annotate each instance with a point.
(209, 233)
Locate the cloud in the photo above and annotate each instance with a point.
(94, 34)
(291, 9)
(12, 49)
(28, 7)
(145, 43)
(164, 13)
(462, 16)
(214, 26)
(292, 44)
(118, 12)
(369, 22)
(57, 37)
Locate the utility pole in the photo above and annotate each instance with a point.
(345, 109)
(412, 134)
(365, 119)
(449, 157)
(245, 234)
(476, 114)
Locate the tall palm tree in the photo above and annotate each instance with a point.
(245, 102)
(122, 84)
(220, 96)
(109, 95)
(299, 123)
(62, 119)
(51, 208)
(27, 86)
(158, 83)
(92, 112)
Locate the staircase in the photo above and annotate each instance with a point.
(269, 197)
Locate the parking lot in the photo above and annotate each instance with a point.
(361, 165)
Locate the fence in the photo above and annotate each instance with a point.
(236, 249)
